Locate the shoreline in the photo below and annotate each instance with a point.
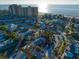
(77, 17)
(41, 13)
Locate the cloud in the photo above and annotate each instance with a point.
(39, 1)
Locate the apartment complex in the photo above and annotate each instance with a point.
(18, 10)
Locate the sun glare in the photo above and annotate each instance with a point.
(42, 8)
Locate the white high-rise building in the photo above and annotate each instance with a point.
(18, 10)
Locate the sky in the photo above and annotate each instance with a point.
(39, 1)
(42, 4)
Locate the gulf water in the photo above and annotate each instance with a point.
(68, 10)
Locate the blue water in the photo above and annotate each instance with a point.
(69, 10)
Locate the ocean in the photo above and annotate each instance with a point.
(68, 10)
